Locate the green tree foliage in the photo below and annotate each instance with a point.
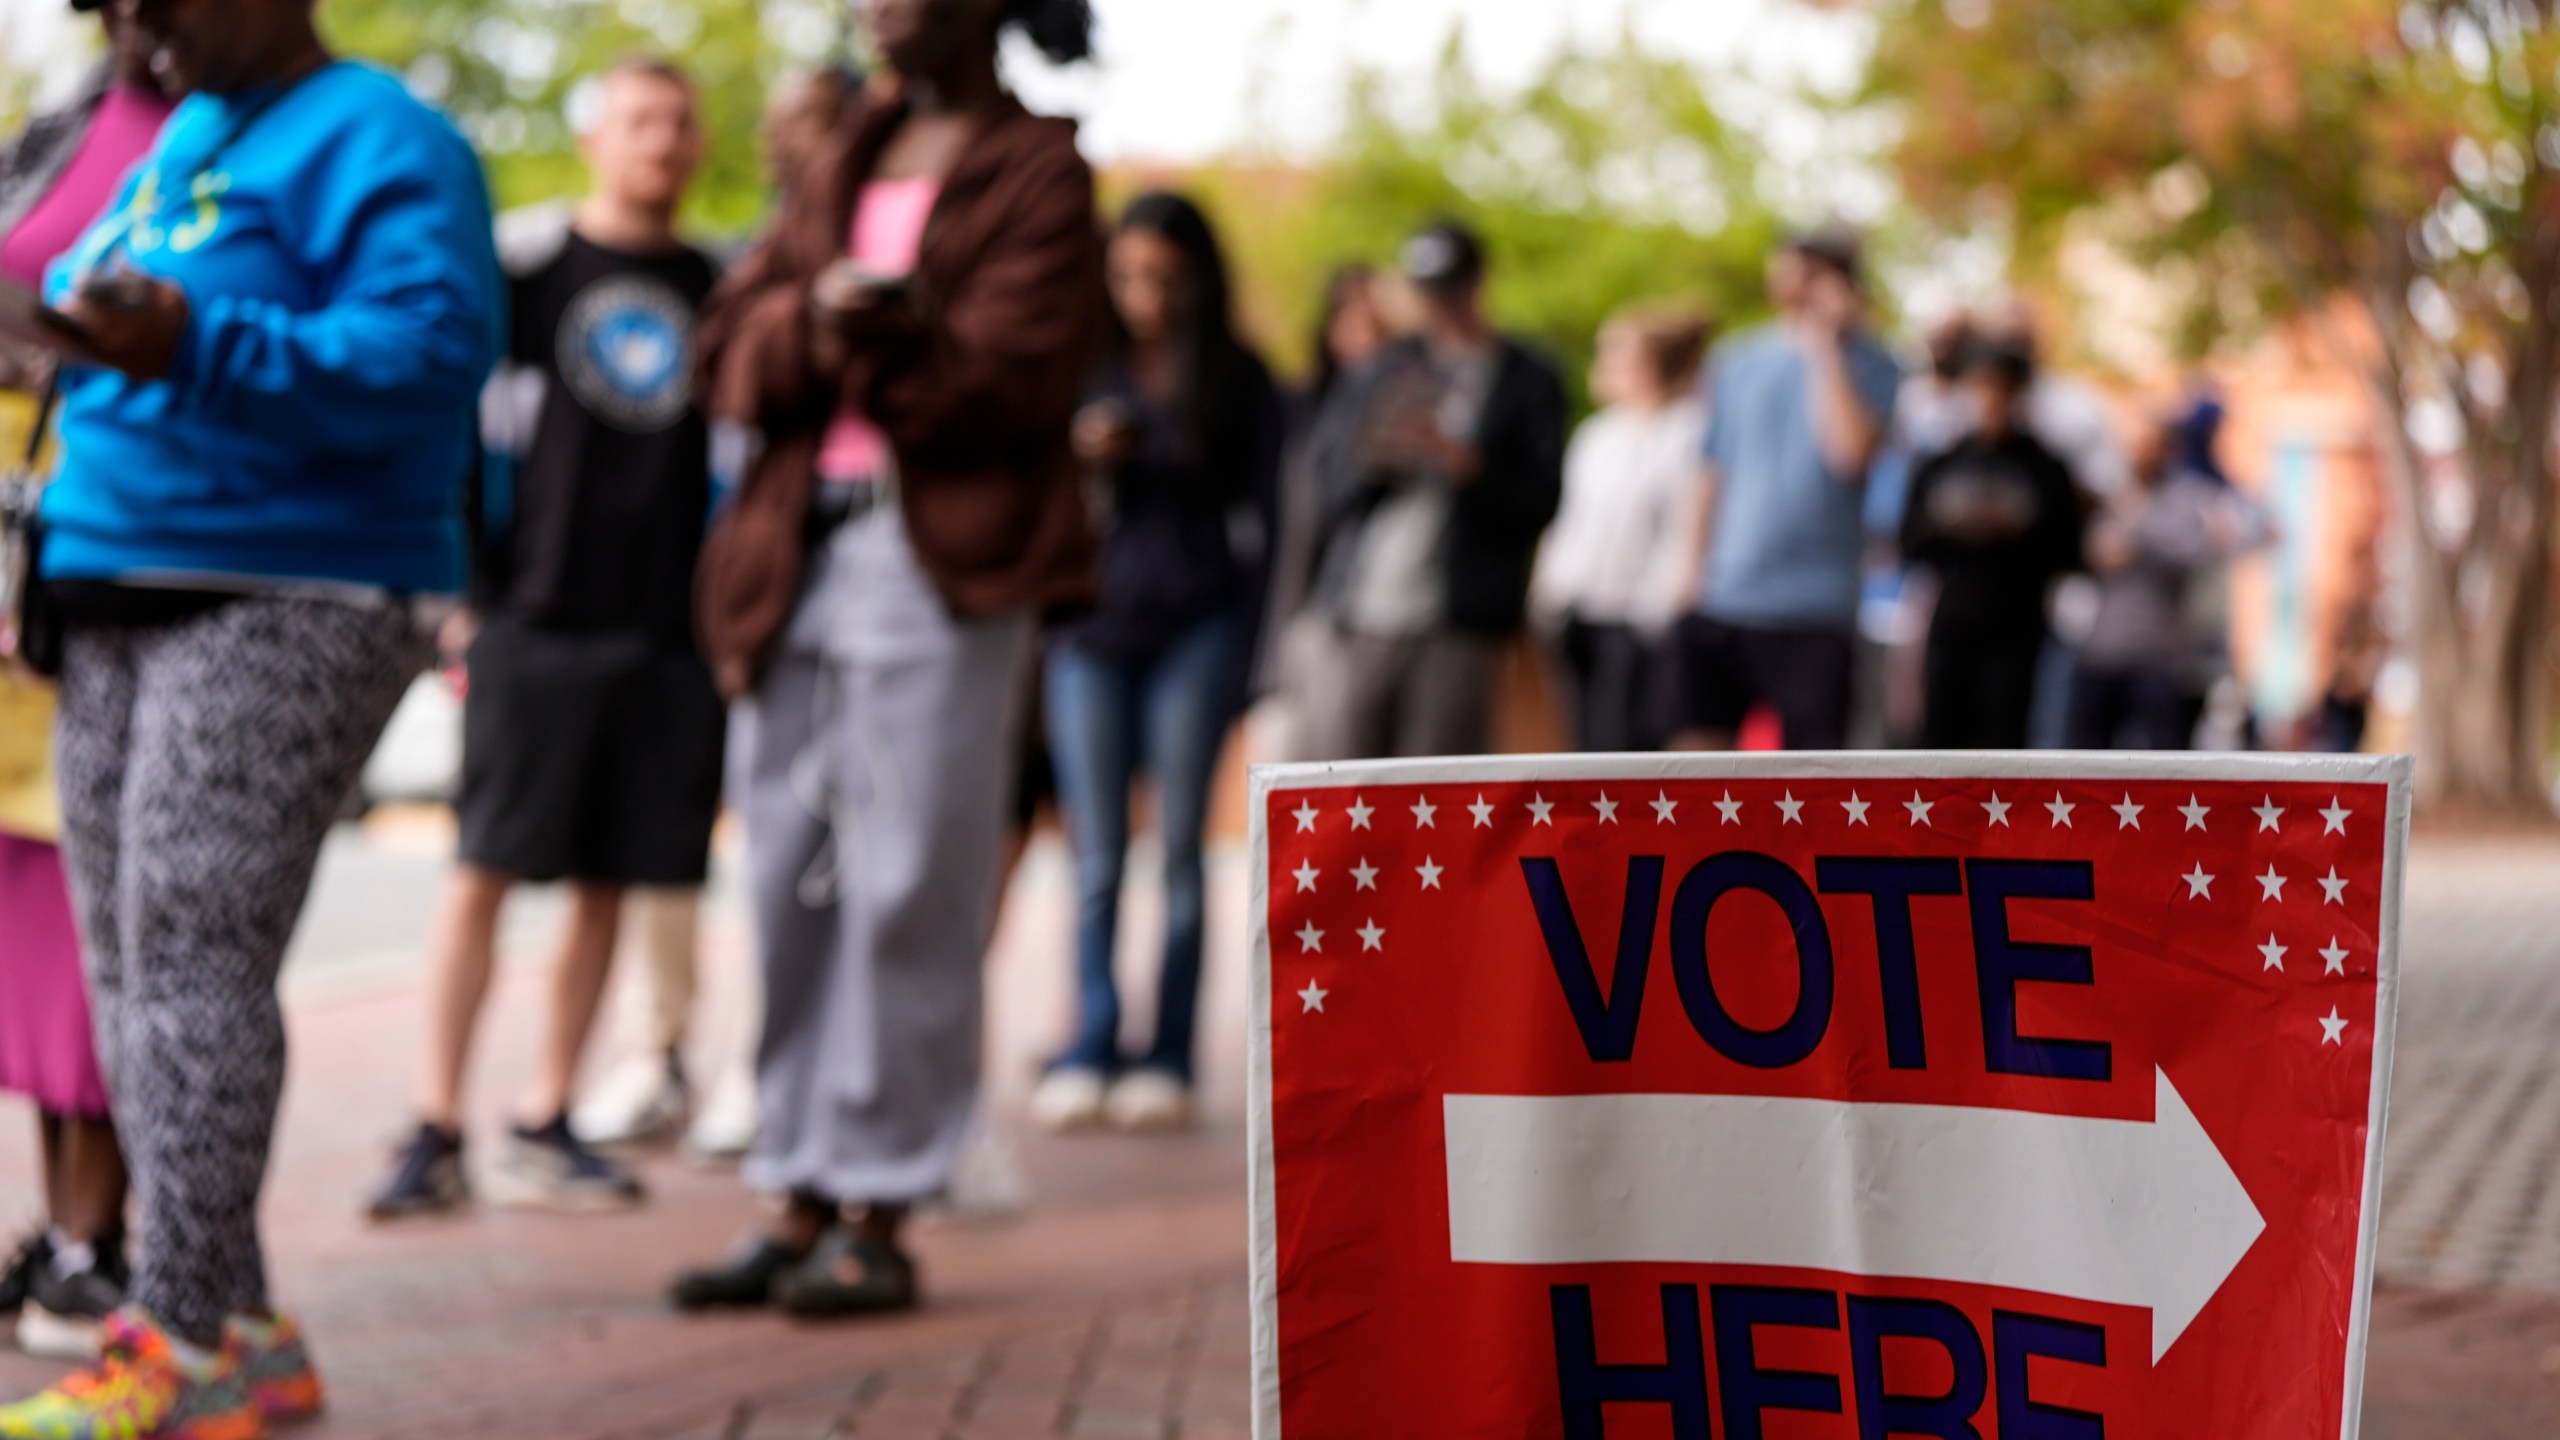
(1612, 178)
(2284, 158)
(507, 71)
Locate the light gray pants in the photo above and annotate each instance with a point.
(1364, 697)
(874, 768)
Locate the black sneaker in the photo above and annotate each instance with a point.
(849, 1274)
(743, 1281)
(426, 1178)
(64, 1312)
(18, 1273)
(549, 1168)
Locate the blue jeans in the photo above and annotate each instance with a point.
(1108, 721)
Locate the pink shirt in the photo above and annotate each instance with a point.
(888, 234)
(121, 133)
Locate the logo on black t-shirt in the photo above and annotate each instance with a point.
(625, 350)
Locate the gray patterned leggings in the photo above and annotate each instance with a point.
(202, 764)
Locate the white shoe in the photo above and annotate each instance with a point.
(1069, 1098)
(726, 1128)
(1149, 1101)
(643, 1102)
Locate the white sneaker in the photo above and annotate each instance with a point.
(726, 1127)
(642, 1102)
(1149, 1101)
(1069, 1098)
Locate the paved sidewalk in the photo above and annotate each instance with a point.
(1115, 1305)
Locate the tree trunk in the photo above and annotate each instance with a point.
(2477, 632)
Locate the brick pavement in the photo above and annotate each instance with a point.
(1115, 1307)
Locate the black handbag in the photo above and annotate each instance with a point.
(34, 623)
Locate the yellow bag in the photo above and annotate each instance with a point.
(30, 807)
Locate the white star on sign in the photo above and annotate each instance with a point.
(1372, 936)
(2275, 954)
(2271, 885)
(1540, 807)
(1997, 809)
(1919, 808)
(2270, 816)
(2128, 814)
(1306, 818)
(2334, 888)
(2333, 958)
(1423, 810)
(2199, 884)
(2333, 1028)
(1730, 808)
(1310, 939)
(2195, 812)
(1608, 809)
(1483, 811)
(1312, 999)
(1430, 873)
(2336, 816)
(1856, 807)
(1665, 809)
(1306, 873)
(1360, 813)
(1365, 875)
(2061, 809)
(1792, 808)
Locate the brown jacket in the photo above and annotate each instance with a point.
(976, 395)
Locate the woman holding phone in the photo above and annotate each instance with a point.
(275, 342)
(66, 1278)
(912, 343)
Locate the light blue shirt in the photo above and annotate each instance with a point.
(1788, 535)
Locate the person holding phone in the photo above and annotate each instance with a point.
(276, 339)
(66, 1278)
(913, 343)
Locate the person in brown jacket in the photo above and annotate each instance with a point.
(911, 345)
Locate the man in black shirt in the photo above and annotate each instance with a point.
(1999, 520)
(592, 731)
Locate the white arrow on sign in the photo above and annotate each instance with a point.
(2114, 1211)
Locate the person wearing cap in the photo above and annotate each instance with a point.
(68, 1276)
(1437, 467)
(1797, 412)
(1997, 517)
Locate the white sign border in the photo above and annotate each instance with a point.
(1264, 781)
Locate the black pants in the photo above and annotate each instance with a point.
(2132, 710)
(1612, 685)
(1803, 674)
(1981, 687)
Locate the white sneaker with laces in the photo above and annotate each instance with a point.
(1069, 1098)
(640, 1103)
(1149, 1102)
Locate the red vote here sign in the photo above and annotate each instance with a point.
(1820, 1098)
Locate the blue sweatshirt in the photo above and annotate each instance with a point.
(333, 239)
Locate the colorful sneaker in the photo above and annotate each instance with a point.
(426, 1178)
(276, 1363)
(548, 1167)
(644, 1103)
(66, 1308)
(139, 1390)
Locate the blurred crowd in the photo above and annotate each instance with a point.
(941, 495)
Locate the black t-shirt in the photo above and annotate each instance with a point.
(2000, 521)
(613, 490)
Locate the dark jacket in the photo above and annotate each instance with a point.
(1994, 569)
(1495, 520)
(1188, 520)
(975, 392)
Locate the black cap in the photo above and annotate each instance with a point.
(1444, 257)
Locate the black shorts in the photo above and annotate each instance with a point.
(1721, 672)
(589, 757)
